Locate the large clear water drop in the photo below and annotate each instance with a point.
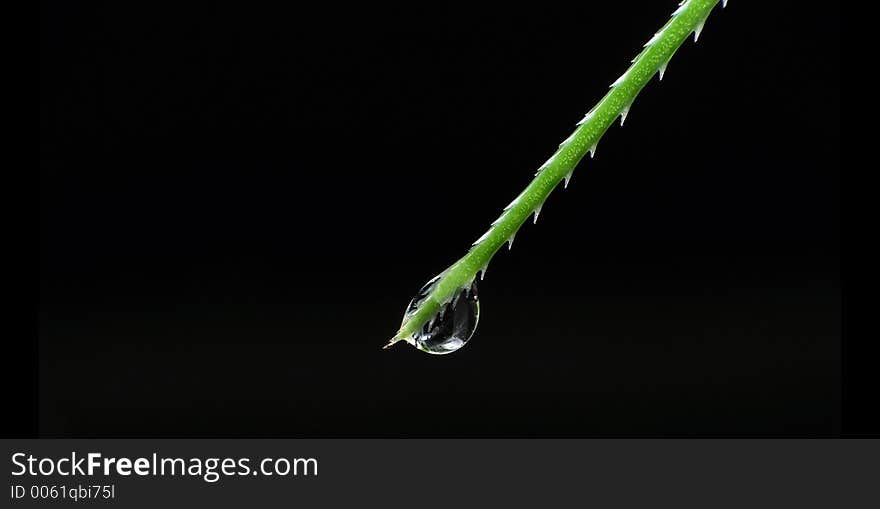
(452, 326)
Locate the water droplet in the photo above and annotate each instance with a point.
(452, 326)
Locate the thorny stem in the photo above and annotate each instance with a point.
(688, 18)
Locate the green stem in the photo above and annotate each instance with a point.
(687, 19)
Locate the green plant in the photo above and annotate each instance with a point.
(459, 277)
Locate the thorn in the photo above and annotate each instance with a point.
(513, 203)
(567, 140)
(698, 30)
(663, 70)
(681, 6)
(537, 213)
(510, 241)
(593, 150)
(483, 272)
(586, 118)
(623, 113)
(619, 80)
(482, 238)
(567, 178)
(391, 342)
(723, 3)
(547, 163)
(653, 39)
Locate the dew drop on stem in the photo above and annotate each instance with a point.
(452, 326)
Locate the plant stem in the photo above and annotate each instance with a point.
(688, 18)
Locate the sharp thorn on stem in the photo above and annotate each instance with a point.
(698, 30)
(567, 140)
(513, 203)
(481, 239)
(681, 7)
(585, 119)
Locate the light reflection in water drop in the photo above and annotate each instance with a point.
(452, 326)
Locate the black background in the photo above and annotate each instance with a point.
(238, 202)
